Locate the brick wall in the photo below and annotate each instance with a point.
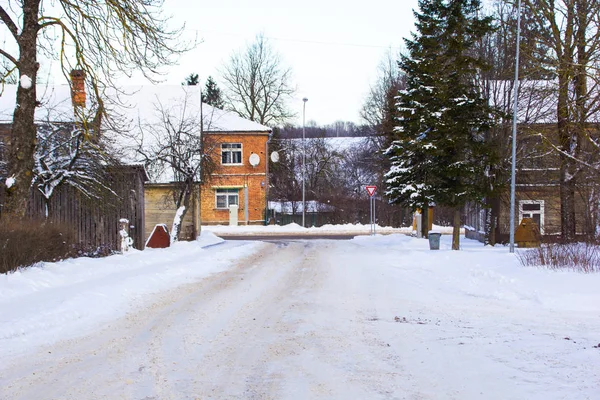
(239, 177)
(257, 198)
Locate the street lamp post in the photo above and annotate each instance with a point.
(304, 161)
(514, 136)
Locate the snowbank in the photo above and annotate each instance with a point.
(293, 228)
(69, 298)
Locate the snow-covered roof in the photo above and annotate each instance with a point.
(133, 103)
(141, 103)
(537, 102)
(55, 103)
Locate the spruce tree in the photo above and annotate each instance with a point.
(191, 80)
(212, 94)
(409, 181)
(439, 154)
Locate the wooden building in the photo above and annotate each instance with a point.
(95, 217)
(537, 194)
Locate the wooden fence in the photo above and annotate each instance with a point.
(95, 222)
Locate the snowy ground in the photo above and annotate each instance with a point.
(376, 317)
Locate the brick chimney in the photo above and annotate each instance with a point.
(78, 87)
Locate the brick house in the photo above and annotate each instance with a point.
(234, 182)
(241, 177)
(237, 148)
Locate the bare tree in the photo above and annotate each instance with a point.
(64, 154)
(257, 84)
(285, 178)
(380, 113)
(379, 108)
(570, 35)
(337, 173)
(175, 150)
(104, 39)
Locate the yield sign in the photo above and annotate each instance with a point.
(371, 190)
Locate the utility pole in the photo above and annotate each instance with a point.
(304, 162)
(514, 136)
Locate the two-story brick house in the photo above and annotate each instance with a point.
(236, 147)
(240, 178)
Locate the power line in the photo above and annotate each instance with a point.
(318, 42)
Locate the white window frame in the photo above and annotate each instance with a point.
(540, 212)
(232, 150)
(228, 193)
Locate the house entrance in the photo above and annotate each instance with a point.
(533, 209)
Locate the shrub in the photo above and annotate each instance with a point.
(27, 242)
(581, 257)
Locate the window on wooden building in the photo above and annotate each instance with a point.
(533, 209)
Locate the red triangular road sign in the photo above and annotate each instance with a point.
(371, 190)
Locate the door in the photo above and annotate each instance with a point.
(533, 209)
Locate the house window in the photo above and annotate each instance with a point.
(231, 153)
(227, 197)
(533, 209)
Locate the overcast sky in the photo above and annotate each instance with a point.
(332, 46)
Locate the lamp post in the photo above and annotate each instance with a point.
(514, 136)
(304, 100)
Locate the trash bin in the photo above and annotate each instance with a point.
(434, 240)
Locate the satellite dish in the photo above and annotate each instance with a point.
(275, 156)
(254, 159)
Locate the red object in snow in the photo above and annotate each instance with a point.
(159, 238)
(371, 190)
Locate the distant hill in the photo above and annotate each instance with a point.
(338, 129)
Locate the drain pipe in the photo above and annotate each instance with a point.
(267, 161)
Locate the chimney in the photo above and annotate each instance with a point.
(78, 87)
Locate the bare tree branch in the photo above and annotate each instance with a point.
(9, 57)
(10, 24)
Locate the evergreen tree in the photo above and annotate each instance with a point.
(212, 94)
(191, 80)
(439, 154)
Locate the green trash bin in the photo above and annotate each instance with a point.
(434, 240)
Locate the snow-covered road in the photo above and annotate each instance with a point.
(372, 318)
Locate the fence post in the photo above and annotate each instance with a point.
(126, 241)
